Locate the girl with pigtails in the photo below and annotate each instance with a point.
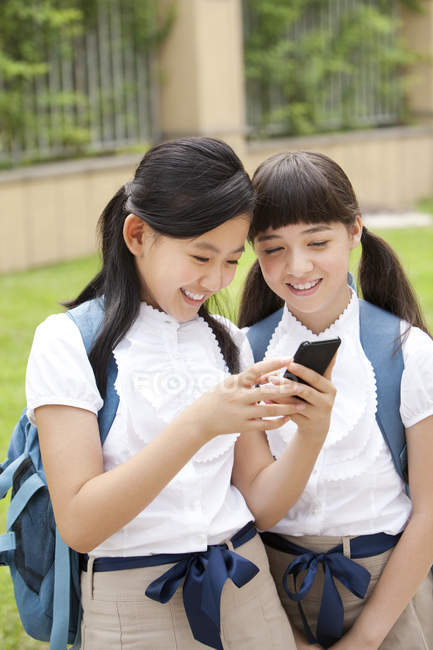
(352, 558)
(170, 555)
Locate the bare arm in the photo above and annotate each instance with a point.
(90, 504)
(271, 487)
(411, 559)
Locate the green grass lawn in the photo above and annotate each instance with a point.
(28, 297)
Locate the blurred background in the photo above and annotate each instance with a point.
(86, 86)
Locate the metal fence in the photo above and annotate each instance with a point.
(368, 106)
(98, 96)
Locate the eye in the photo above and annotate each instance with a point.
(269, 251)
(233, 262)
(318, 244)
(200, 259)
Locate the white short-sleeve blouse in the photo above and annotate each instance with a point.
(354, 488)
(163, 366)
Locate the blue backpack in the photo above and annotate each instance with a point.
(44, 570)
(380, 337)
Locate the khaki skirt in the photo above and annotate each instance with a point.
(118, 615)
(412, 631)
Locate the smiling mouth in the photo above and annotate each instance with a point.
(304, 288)
(193, 297)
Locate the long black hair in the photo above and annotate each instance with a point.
(307, 187)
(182, 189)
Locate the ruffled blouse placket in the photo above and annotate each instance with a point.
(353, 442)
(166, 365)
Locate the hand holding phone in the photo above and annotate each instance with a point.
(316, 355)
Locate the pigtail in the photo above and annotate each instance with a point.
(258, 300)
(229, 349)
(384, 283)
(117, 282)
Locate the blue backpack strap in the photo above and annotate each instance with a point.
(351, 282)
(62, 586)
(89, 318)
(380, 339)
(260, 334)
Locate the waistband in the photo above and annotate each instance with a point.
(243, 535)
(204, 574)
(335, 565)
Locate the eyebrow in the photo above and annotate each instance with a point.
(308, 231)
(214, 249)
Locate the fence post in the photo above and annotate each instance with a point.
(418, 30)
(202, 78)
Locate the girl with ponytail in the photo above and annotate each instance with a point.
(154, 505)
(354, 516)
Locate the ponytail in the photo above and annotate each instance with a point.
(384, 283)
(117, 282)
(258, 300)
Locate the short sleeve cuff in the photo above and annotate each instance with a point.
(58, 369)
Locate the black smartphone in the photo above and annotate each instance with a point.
(316, 355)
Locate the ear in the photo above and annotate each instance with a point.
(355, 232)
(135, 233)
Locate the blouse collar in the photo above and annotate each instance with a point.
(149, 314)
(342, 325)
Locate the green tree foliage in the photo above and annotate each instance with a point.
(26, 32)
(308, 61)
(33, 35)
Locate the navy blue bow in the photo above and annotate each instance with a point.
(205, 574)
(335, 565)
(331, 614)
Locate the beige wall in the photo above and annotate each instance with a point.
(202, 91)
(389, 168)
(49, 212)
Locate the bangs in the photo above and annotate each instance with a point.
(301, 187)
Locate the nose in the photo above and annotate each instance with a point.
(214, 279)
(298, 264)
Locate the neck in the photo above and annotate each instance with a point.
(319, 321)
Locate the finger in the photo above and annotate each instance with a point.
(275, 410)
(271, 393)
(296, 390)
(311, 396)
(267, 425)
(264, 379)
(317, 421)
(290, 399)
(305, 392)
(251, 376)
(314, 379)
(293, 387)
(279, 380)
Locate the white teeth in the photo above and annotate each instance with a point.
(307, 285)
(193, 296)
